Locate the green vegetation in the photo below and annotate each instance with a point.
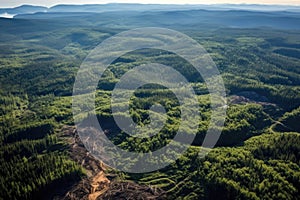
(31, 156)
(289, 122)
(266, 167)
(257, 155)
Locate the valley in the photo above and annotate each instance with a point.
(256, 157)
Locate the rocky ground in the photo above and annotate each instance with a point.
(98, 183)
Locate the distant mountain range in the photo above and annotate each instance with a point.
(98, 8)
(23, 9)
(175, 16)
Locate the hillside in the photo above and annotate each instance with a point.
(255, 48)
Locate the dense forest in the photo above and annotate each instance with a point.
(256, 157)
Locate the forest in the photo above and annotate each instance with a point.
(256, 157)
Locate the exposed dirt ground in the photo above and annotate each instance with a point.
(98, 184)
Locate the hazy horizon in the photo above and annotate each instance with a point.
(16, 3)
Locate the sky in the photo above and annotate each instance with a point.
(49, 3)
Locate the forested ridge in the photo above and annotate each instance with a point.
(256, 157)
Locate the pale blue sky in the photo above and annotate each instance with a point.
(13, 3)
